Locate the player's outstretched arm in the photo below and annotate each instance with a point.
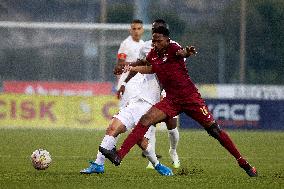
(119, 68)
(131, 74)
(140, 69)
(187, 51)
(139, 62)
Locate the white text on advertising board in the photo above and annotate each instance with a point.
(236, 112)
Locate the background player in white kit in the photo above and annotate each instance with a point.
(136, 101)
(172, 123)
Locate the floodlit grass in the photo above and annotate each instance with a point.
(205, 164)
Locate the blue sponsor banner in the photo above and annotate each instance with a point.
(243, 114)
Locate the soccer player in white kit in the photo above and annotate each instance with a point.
(136, 101)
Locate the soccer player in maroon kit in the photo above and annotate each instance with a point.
(167, 61)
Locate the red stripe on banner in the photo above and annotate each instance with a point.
(58, 88)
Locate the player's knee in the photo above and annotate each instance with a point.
(214, 130)
(115, 130)
(111, 130)
(171, 123)
(146, 120)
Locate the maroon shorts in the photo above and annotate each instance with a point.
(193, 106)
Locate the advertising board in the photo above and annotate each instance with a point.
(56, 111)
(243, 114)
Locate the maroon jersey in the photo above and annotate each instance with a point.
(172, 72)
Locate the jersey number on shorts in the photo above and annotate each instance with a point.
(204, 110)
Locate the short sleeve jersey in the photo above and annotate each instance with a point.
(150, 87)
(131, 49)
(172, 72)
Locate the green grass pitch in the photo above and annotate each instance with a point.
(205, 164)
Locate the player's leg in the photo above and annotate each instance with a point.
(155, 115)
(151, 144)
(152, 140)
(149, 152)
(109, 141)
(200, 113)
(140, 108)
(225, 140)
(120, 123)
(173, 134)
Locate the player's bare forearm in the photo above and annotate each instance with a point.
(120, 67)
(186, 52)
(140, 69)
(139, 62)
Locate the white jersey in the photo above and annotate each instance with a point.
(132, 89)
(151, 84)
(131, 48)
(143, 54)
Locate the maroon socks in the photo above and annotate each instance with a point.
(133, 138)
(226, 141)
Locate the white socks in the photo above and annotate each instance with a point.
(151, 156)
(100, 158)
(108, 143)
(174, 138)
(152, 140)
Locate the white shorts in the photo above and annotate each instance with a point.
(131, 114)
